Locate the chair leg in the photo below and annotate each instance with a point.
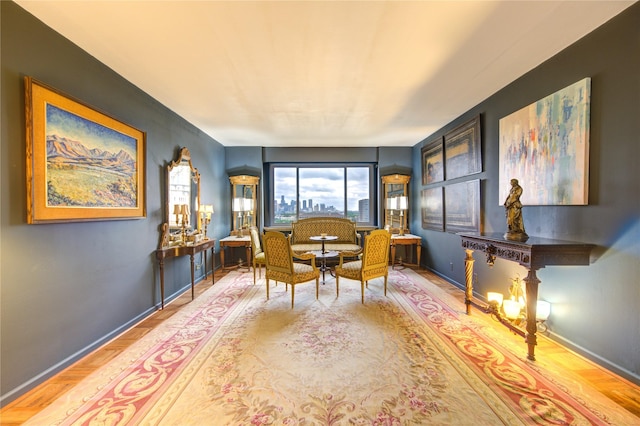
(293, 290)
(362, 288)
(267, 288)
(385, 285)
(317, 287)
(254, 273)
(337, 285)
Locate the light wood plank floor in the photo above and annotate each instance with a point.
(619, 390)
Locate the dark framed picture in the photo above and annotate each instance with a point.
(462, 206)
(82, 165)
(432, 162)
(463, 152)
(432, 209)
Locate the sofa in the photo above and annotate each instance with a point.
(344, 229)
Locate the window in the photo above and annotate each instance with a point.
(301, 191)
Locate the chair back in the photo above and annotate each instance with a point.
(277, 253)
(256, 247)
(376, 250)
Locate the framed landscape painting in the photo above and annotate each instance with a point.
(462, 206)
(545, 146)
(463, 150)
(82, 165)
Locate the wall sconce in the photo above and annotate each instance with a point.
(206, 211)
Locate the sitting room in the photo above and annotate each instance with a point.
(452, 188)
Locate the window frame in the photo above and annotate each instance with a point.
(269, 214)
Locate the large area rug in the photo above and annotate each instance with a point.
(231, 357)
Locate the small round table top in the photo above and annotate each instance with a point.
(323, 238)
(327, 254)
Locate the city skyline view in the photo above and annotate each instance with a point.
(321, 190)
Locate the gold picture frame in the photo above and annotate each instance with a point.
(82, 165)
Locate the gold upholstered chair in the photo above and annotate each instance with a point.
(256, 251)
(281, 267)
(373, 263)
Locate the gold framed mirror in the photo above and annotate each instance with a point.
(244, 202)
(183, 189)
(396, 202)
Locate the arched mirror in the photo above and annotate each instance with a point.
(244, 201)
(396, 202)
(183, 193)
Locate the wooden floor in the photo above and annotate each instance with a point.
(622, 392)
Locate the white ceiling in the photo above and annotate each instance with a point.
(322, 73)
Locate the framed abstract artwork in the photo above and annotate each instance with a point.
(432, 162)
(546, 147)
(82, 164)
(463, 150)
(462, 206)
(432, 209)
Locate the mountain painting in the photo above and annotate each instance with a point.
(87, 164)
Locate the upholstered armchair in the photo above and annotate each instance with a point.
(373, 263)
(281, 267)
(256, 251)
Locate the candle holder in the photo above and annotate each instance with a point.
(206, 211)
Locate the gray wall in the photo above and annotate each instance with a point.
(67, 288)
(595, 308)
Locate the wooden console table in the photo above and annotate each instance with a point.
(189, 250)
(533, 254)
(233, 241)
(405, 240)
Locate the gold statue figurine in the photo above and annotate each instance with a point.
(513, 211)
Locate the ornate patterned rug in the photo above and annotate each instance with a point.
(231, 357)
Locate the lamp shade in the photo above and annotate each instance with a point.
(402, 203)
(495, 297)
(511, 308)
(392, 203)
(238, 205)
(543, 309)
(247, 204)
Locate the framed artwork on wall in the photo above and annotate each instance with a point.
(432, 162)
(462, 206)
(432, 209)
(545, 146)
(463, 151)
(82, 165)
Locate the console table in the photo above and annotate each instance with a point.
(187, 250)
(405, 240)
(236, 241)
(533, 254)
